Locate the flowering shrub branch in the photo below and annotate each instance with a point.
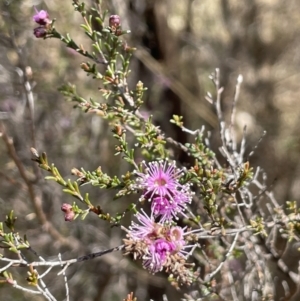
(193, 222)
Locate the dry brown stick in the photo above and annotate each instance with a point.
(35, 200)
(12, 181)
(178, 88)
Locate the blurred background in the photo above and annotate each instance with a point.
(180, 43)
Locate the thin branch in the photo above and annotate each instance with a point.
(24, 263)
(35, 200)
(209, 276)
(178, 88)
(24, 289)
(235, 99)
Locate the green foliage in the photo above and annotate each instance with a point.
(11, 239)
(258, 226)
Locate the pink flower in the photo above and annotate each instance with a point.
(146, 229)
(162, 246)
(160, 185)
(154, 242)
(41, 17)
(168, 208)
(158, 254)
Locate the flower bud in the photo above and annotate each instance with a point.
(66, 207)
(69, 217)
(114, 21)
(69, 213)
(85, 67)
(10, 281)
(40, 32)
(41, 17)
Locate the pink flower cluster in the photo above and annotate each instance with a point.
(156, 239)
